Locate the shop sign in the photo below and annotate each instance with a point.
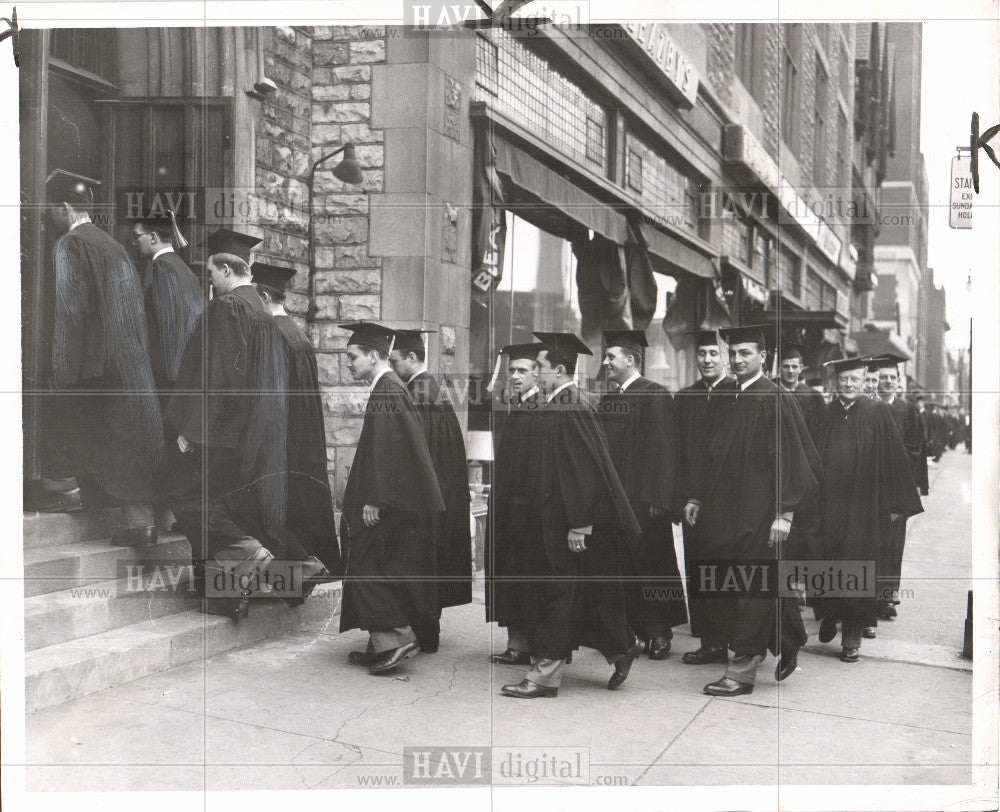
(659, 47)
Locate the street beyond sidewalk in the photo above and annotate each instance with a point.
(291, 713)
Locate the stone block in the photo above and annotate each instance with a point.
(372, 180)
(326, 337)
(362, 307)
(398, 224)
(343, 430)
(358, 32)
(351, 73)
(361, 133)
(406, 160)
(285, 33)
(407, 45)
(323, 134)
(321, 32)
(340, 112)
(362, 280)
(367, 51)
(403, 288)
(341, 230)
(347, 400)
(360, 92)
(370, 156)
(326, 54)
(354, 256)
(399, 96)
(334, 204)
(326, 93)
(449, 168)
(327, 308)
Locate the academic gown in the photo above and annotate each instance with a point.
(759, 462)
(310, 502)
(512, 524)
(106, 422)
(691, 405)
(230, 404)
(892, 542)
(451, 529)
(641, 428)
(576, 599)
(392, 566)
(174, 304)
(813, 407)
(867, 476)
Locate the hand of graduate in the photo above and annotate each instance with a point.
(691, 512)
(780, 529)
(655, 511)
(183, 444)
(369, 515)
(577, 541)
(893, 517)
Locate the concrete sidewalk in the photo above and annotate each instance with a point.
(291, 713)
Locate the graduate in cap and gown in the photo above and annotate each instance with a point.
(173, 295)
(226, 476)
(106, 426)
(691, 404)
(911, 429)
(513, 530)
(868, 481)
(390, 502)
(310, 502)
(640, 423)
(573, 592)
(453, 538)
(759, 467)
(811, 402)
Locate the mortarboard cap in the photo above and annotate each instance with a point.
(705, 338)
(273, 276)
(887, 360)
(629, 339)
(846, 365)
(370, 334)
(756, 333)
(227, 241)
(789, 351)
(531, 350)
(411, 340)
(62, 186)
(565, 343)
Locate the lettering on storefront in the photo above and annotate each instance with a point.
(659, 47)
(962, 190)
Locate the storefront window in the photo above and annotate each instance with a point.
(523, 85)
(790, 272)
(665, 191)
(736, 238)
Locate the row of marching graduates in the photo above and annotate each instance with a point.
(765, 478)
(206, 413)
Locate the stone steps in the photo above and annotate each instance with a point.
(74, 668)
(52, 568)
(88, 627)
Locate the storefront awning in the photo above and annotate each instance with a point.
(552, 189)
(677, 255)
(821, 319)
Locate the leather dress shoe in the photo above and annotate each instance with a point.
(136, 537)
(658, 648)
(827, 630)
(887, 612)
(786, 665)
(727, 687)
(849, 655)
(868, 632)
(623, 666)
(309, 583)
(389, 660)
(526, 689)
(362, 658)
(706, 654)
(511, 657)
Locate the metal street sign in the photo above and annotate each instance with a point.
(961, 192)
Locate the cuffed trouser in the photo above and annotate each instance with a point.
(850, 635)
(546, 672)
(388, 639)
(743, 669)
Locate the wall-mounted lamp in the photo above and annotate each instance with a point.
(347, 171)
